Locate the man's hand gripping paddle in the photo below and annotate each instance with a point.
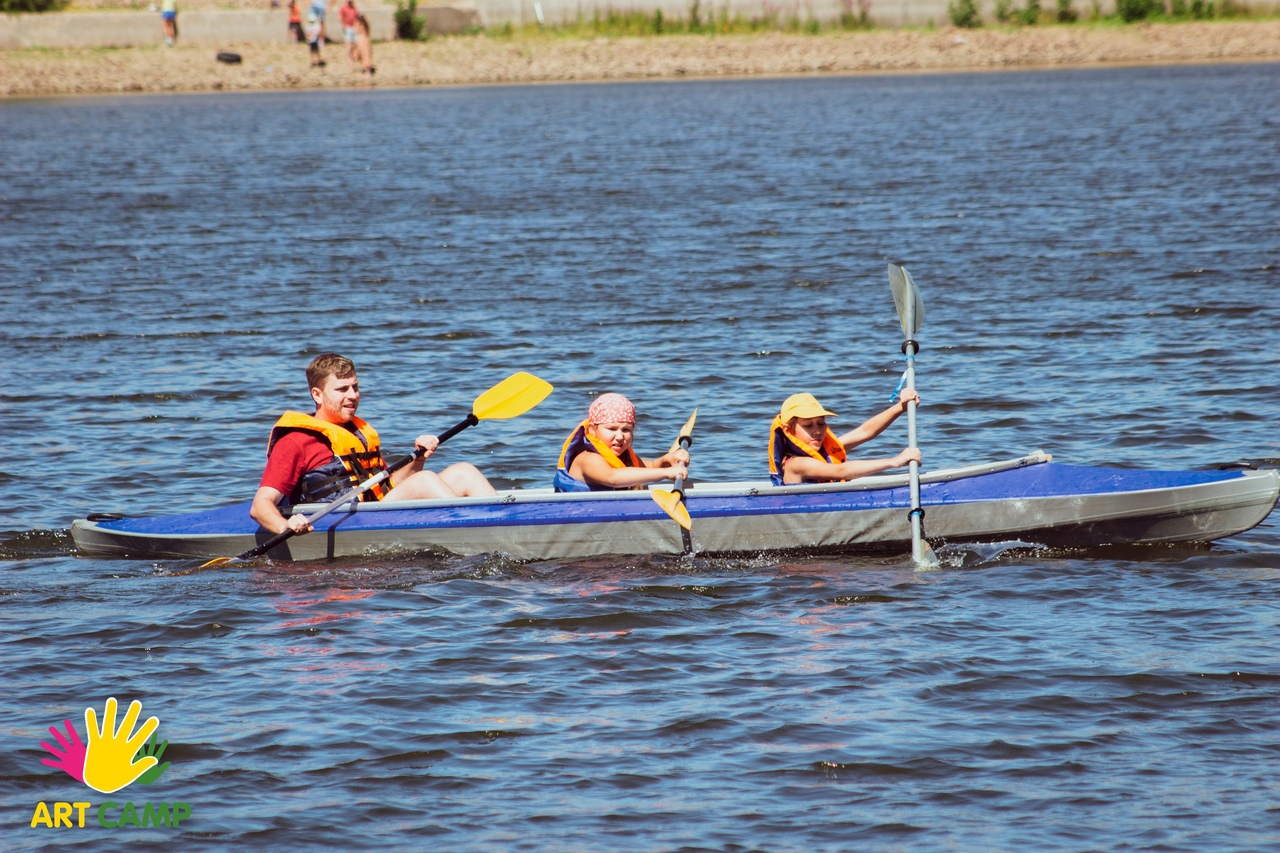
(911, 315)
(513, 396)
(672, 502)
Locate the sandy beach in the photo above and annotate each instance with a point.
(468, 60)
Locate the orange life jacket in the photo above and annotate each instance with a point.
(782, 446)
(357, 456)
(582, 441)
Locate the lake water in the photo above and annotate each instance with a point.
(1098, 254)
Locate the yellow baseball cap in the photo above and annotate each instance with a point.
(804, 406)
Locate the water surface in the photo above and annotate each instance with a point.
(1097, 253)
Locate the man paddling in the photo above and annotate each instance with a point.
(315, 458)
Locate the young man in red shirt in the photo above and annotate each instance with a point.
(315, 458)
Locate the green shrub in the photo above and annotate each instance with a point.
(31, 5)
(1030, 16)
(1004, 11)
(1066, 15)
(964, 13)
(409, 24)
(855, 20)
(1137, 10)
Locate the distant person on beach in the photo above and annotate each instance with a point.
(364, 45)
(318, 10)
(347, 14)
(315, 458)
(803, 450)
(315, 38)
(295, 22)
(169, 19)
(597, 456)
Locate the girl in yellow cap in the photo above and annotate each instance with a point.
(597, 456)
(803, 450)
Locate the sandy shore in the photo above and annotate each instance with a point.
(479, 60)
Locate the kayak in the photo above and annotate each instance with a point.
(1030, 499)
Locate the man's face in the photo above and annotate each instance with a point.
(337, 401)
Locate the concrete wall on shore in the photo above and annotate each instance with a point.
(230, 27)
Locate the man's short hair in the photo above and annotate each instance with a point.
(328, 364)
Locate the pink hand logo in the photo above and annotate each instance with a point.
(71, 757)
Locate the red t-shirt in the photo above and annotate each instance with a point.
(293, 455)
(348, 16)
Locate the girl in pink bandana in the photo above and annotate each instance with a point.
(597, 456)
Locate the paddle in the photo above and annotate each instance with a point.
(513, 396)
(672, 502)
(911, 315)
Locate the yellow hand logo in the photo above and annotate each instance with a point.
(108, 763)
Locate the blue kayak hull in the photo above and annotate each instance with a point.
(1031, 499)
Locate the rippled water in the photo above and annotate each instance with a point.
(1097, 252)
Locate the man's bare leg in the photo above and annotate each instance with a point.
(460, 480)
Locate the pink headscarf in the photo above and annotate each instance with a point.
(611, 409)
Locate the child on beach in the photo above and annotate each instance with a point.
(315, 37)
(169, 19)
(364, 45)
(803, 450)
(597, 456)
(295, 22)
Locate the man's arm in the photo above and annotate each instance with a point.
(293, 455)
(266, 512)
(428, 444)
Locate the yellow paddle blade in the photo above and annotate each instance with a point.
(513, 396)
(686, 431)
(672, 504)
(216, 561)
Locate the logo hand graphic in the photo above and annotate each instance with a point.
(150, 748)
(108, 763)
(71, 757)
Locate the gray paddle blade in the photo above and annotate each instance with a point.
(907, 299)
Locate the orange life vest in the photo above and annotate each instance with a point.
(357, 456)
(782, 446)
(582, 441)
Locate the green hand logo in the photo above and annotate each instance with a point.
(151, 748)
(109, 760)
